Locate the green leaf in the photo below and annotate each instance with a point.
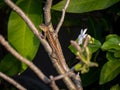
(111, 56)
(109, 71)
(73, 49)
(115, 87)
(112, 36)
(10, 65)
(19, 35)
(117, 54)
(81, 6)
(93, 45)
(112, 43)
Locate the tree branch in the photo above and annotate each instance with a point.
(24, 60)
(71, 74)
(63, 75)
(47, 18)
(58, 67)
(62, 17)
(13, 82)
(47, 14)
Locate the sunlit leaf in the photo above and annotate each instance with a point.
(19, 35)
(81, 6)
(109, 71)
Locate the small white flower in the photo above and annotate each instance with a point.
(81, 36)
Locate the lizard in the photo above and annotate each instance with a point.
(52, 43)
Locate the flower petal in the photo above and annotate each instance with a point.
(81, 36)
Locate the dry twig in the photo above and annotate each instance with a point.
(11, 81)
(24, 60)
(62, 17)
(53, 84)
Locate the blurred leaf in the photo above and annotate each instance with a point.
(112, 43)
(115, 87)
(81, 6)
(112, 36)
(10, 65)
(117, 54)
(111, 56)
(19, 35)
(109, 71)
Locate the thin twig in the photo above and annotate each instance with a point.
(66, 79)
(12, 81)
(53, 84)
(64, 64)
(76, 78)
(30, 24)
(76, 45)
(85, 43)
(63, 75)
(24, 60)
(78, 82)
(62, 17)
